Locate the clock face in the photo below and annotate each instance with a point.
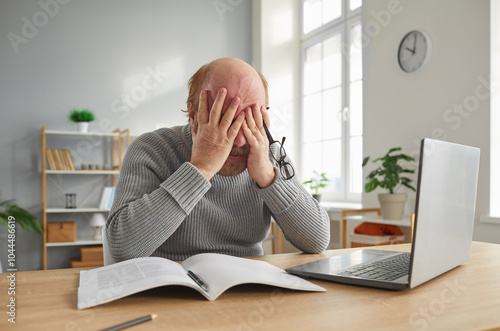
(413, 51)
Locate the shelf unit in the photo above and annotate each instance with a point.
(406, 221)
(82, 172)
(116, 138)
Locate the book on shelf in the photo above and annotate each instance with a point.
(208, 273)
(107, 197)
(59, 159)
(51, 160)
(62, 160)
(69, 160)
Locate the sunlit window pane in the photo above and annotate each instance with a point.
(355, 161)
(312, 15)
(312, 159)
(356, 108)
(332, 9)
(332, 116)
(355, 57)
(312, 69)
(311, 117)
(317, 13)
(354, 4)
(332, 163)
(332, 61)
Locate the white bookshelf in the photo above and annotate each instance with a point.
(81, 134)
(114, 140)
(82, 172)
(75, 210)
(76, 243)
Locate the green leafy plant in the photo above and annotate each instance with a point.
(389, 173)
(316, 182)
(84, 115)
(9, 210)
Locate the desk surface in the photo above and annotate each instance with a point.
(467, 297)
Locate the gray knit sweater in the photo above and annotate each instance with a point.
(164, 206)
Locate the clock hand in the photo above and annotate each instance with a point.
(415, 43)
(411, 50)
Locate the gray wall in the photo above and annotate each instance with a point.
(400, 109)
(59, 55)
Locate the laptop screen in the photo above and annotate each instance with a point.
(445, 205)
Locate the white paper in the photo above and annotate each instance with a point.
(218, 272)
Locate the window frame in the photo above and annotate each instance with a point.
(343, 26)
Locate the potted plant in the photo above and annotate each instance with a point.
(389, 175)
(315, 183)
(10, 211)
(81, 118)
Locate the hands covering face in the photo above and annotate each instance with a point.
(216, 134)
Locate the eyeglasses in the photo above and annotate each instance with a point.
(286, 168)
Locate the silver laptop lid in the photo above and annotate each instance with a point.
(446, 200)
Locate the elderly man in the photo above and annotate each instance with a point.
(212, 185)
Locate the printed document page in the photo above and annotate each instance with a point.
(118, 280)
(221, 272)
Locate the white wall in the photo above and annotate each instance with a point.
(447, 99)
(275, 53)
(275, 50)
(128, 60)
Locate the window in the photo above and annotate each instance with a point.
(331, 96)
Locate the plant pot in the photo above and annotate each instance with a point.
(392, 205)
(82, 126)
(317, 197)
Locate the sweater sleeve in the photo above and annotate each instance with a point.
(150, 202)
(305, 224)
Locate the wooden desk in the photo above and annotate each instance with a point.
(467, 297)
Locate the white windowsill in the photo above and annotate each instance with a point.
(489, 219)
(339, 206)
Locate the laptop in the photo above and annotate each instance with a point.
(442, 234)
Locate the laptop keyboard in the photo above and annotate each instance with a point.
(388, 269)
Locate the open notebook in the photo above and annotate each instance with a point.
(208, 273)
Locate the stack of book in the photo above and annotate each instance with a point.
(60, 159)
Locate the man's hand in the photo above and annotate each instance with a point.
(259, 165)
(214, 138)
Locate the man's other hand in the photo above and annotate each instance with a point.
(214, 138)
(259, 165)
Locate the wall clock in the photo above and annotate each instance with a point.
(414, 51)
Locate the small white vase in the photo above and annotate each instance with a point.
(83, 127)
(392, 205)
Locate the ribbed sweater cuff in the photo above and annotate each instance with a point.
(280, 195)
(187, 186)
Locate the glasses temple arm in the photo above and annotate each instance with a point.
(268, 134)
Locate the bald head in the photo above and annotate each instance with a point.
(240, 80)
(238, 77)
